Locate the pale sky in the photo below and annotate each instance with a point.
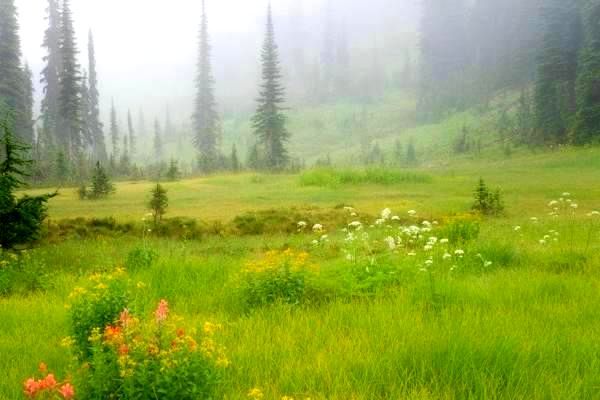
(146, 49)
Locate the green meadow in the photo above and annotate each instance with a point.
(515, 318)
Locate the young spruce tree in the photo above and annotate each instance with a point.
(101, 184)
(20, 219)
(158, 203)
(269, 120)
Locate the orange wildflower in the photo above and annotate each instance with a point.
(67, 391)
(31, 387)
(123, 350)
(162, 311)
(48, 382)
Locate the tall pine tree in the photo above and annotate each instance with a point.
(132, 138)
(70, 121)
(13, 86)
(205, 115)
(587, 126)
(114, 132)
(158, 142)
(269, 120)
(557, 68)
(51, 74)
(96, 127)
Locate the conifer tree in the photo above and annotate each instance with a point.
(443, 58)
(557, 66)
(205, 116)
(269, 121)
(101, 184)
(86, 123)
(173, 173)
(20, 219)
(114, 132)
(587, 127)
(51, 73)
(69, 101)
(27, 106)
(235, 161)
(61, 168)
(158, 203)
(13, 87)
(411, 153)
(132, 138)
(95, 125)
(158, 143)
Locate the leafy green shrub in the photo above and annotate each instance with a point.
(461, 230)
(180, 228)
(370, 280)
(278, 277)
(21, 274)
(97, 305)
(140, 258)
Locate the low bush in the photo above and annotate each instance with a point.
(140, 258)
(461, 229)
(284, 277)
(20, 273)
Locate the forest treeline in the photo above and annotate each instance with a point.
(466, 53)
(547, 49)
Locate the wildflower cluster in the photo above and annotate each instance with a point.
(47, 387)
(133, 358)
(97, 304)
(278, 276)
(564, 204)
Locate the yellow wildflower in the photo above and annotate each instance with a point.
(255, 394)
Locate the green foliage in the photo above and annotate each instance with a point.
(378, 176)
(158, 203)
(22, 274)
(461, 230)
(95, 306)
(140, 258)
(101, 184)
(20, 219)
(486, 201)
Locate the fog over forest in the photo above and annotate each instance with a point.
(147, 51)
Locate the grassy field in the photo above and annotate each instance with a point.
(516, 318)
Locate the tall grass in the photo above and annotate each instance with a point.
(329, 177)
